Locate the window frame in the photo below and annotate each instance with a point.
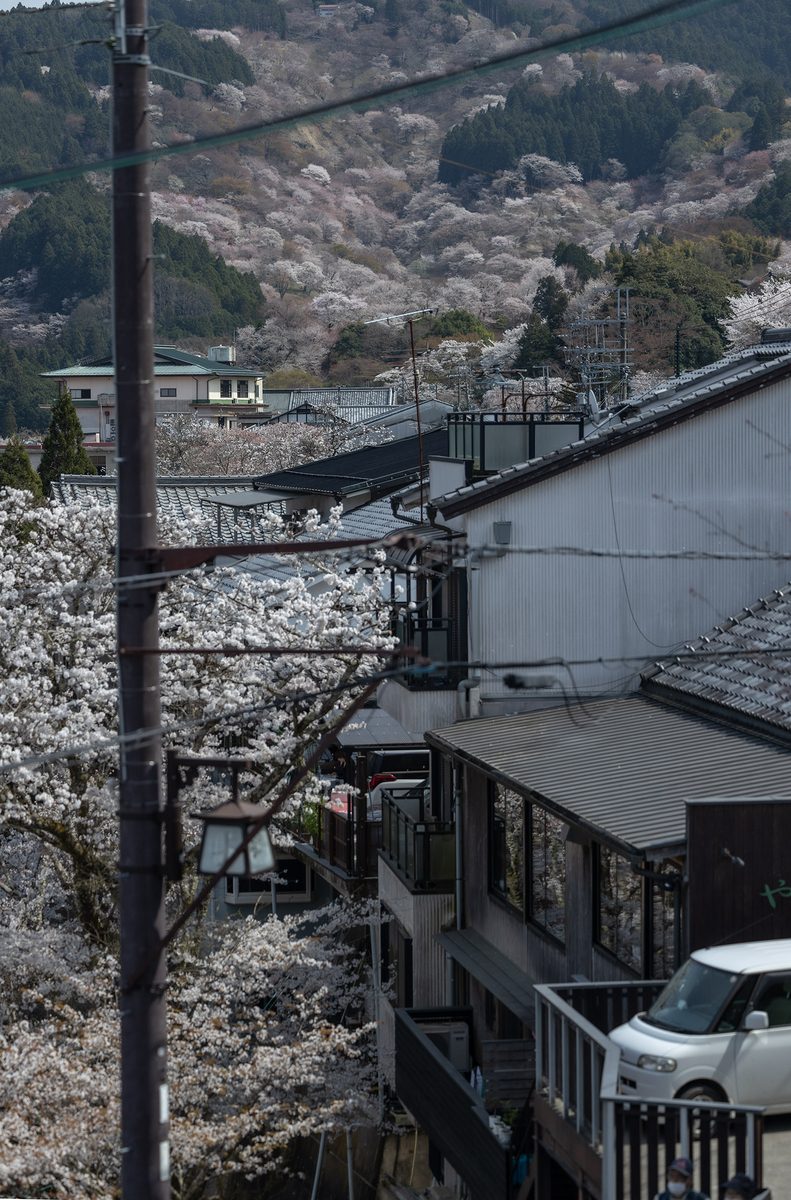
(494, 892)
(226, 389)
(264, 898)
(168, 392)
(534, 922)
(596, 907)
(242, 389)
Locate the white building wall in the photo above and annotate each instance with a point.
(720, 482)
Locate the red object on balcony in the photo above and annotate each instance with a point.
(377, 779)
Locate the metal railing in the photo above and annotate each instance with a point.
(348, 843)
(422, 851)
(432, 637)
(577, 1075)
(493, 441)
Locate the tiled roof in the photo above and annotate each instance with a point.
(181, 495)
(374, 520)
(675, 401)
(741, 667)
(167, 361)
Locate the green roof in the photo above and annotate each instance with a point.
(167, 361)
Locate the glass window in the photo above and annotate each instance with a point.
(775, 1000)
(241, 389)
(506, 846)
(80, 393)
(225, 389)
(692, 999)
(734, 1011)
(547, 872)
(167, 391)
(620, 908)
(663, 920)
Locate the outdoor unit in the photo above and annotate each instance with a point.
(452, 1038)
(222, 354)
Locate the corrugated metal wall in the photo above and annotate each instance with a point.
(420, 915)
(720, 482)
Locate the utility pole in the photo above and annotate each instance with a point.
(417, 413)
(145, 1161)
(678, 350)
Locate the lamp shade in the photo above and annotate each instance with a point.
(224, 829)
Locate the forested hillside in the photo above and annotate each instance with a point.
(668, 173)
(586, 124)
(50, 116)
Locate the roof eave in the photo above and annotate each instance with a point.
(634, 853)
(631, 431)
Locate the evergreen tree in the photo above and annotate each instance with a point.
(761, 132)
(569, 254)
(458, 321)
(551, 301)
(62, 450)
(393, 12)
(16, 471)
(538, 345)
(771, 208)
(9, 420)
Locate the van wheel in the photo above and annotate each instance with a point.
(702, 1091)
(706, 1093)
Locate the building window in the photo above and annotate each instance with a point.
(226, 389)
(547, 872)
(663, 921)
(80, 393)
(397, 962)
(620, 908)
(167, 391)
(241, 389)
(507, 846)
(294, 886)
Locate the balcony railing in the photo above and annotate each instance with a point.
(348, 842)
(625, 1145)
(432, 637)
(448, 1109)
(493, 441)
(422, 851)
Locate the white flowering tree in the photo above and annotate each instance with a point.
(259, 1051)
(753, 311)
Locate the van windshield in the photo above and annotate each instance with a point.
(692, 999)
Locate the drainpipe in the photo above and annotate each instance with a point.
(464, 691)
(458, 797)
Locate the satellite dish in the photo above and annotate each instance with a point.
(593, 406)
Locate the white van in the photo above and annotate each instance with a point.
(719, 1030)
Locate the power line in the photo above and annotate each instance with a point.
(566, 664)
(650, 18)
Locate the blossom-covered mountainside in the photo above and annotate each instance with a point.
(476, 200)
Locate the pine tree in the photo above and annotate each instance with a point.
(9, 420)
(16, 471)
(761, 132)
(62, 450)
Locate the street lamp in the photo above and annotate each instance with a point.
(224, 829)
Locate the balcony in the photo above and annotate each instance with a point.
(483, 1150)
(421, 851)
(612, 1145)
(433, 638)
(492, 441)
(343, 845)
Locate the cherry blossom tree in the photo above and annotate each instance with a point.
(259, 1050)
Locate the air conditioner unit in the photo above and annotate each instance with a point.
(452, 1038)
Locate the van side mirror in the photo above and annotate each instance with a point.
(756, 1020)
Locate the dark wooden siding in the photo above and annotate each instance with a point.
(445, 1105)
(727, 903)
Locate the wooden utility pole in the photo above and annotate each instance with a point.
(417, 414)
(145, 1163)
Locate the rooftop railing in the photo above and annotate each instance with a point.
(493, 441)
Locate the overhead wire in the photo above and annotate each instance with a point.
(647, 19)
